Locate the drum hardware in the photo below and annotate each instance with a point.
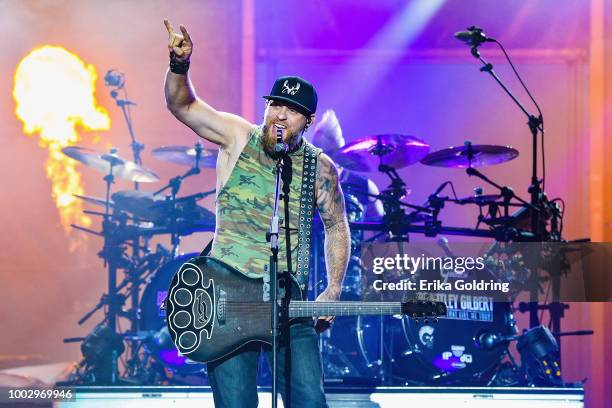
(116, 80)
(125, 169)
(394, 151)
(336, 363)
(138, 203)
(94, 367)
(111, 253)
(187, 156)
(94, 200)
(127, 218)
(507, 264)
(397, 150)
(506, 192)
(536, 187)
(540, 364)
(130, 219)
(174, 185)
(501, 234)
(470, 156)
(394, 213)
(113, 249)
(479, 198)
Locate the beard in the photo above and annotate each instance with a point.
(269, 137)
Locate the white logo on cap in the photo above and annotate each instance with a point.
(291, 90)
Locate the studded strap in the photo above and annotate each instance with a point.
(307, 202)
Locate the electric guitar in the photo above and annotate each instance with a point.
(213, 310)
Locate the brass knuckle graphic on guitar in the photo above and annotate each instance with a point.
(191, 312)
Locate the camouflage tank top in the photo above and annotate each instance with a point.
(244, 207)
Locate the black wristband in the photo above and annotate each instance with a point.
(178, 67)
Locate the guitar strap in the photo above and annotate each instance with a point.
(307, 207)
(207, 248)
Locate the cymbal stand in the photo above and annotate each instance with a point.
(394, 214)
(111, 254)
(506, 192)
(116, 80)
(175, 185)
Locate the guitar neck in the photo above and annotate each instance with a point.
(313, 309)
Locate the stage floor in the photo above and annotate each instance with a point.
(430, 397)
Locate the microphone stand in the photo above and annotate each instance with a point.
(535, 125)
(116, 79)
(272, 238)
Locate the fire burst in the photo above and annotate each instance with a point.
(54, 92)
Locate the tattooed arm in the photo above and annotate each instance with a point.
(330, 203)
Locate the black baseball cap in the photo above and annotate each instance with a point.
(297, 92)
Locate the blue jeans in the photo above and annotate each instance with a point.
(234, 379)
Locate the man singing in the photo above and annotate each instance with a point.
(245, 181)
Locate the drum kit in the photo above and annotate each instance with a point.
(130, 219)
(395, 350)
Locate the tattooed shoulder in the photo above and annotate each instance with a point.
(330, 200)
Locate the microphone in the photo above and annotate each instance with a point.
(281, 148)
(114, 78)
(474, 36)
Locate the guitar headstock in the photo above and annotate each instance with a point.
(423, 309)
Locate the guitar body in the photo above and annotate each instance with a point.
(197, 310)
(213, 310)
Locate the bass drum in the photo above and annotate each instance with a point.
(350, 350)
(153, 320)
(451, 350)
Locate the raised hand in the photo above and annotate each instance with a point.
(179, 44)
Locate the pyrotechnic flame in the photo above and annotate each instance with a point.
(54, 92)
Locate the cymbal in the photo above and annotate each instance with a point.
(395, 150)
(185, 155)
(122, 168)
(470, 155)
(93, 200)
